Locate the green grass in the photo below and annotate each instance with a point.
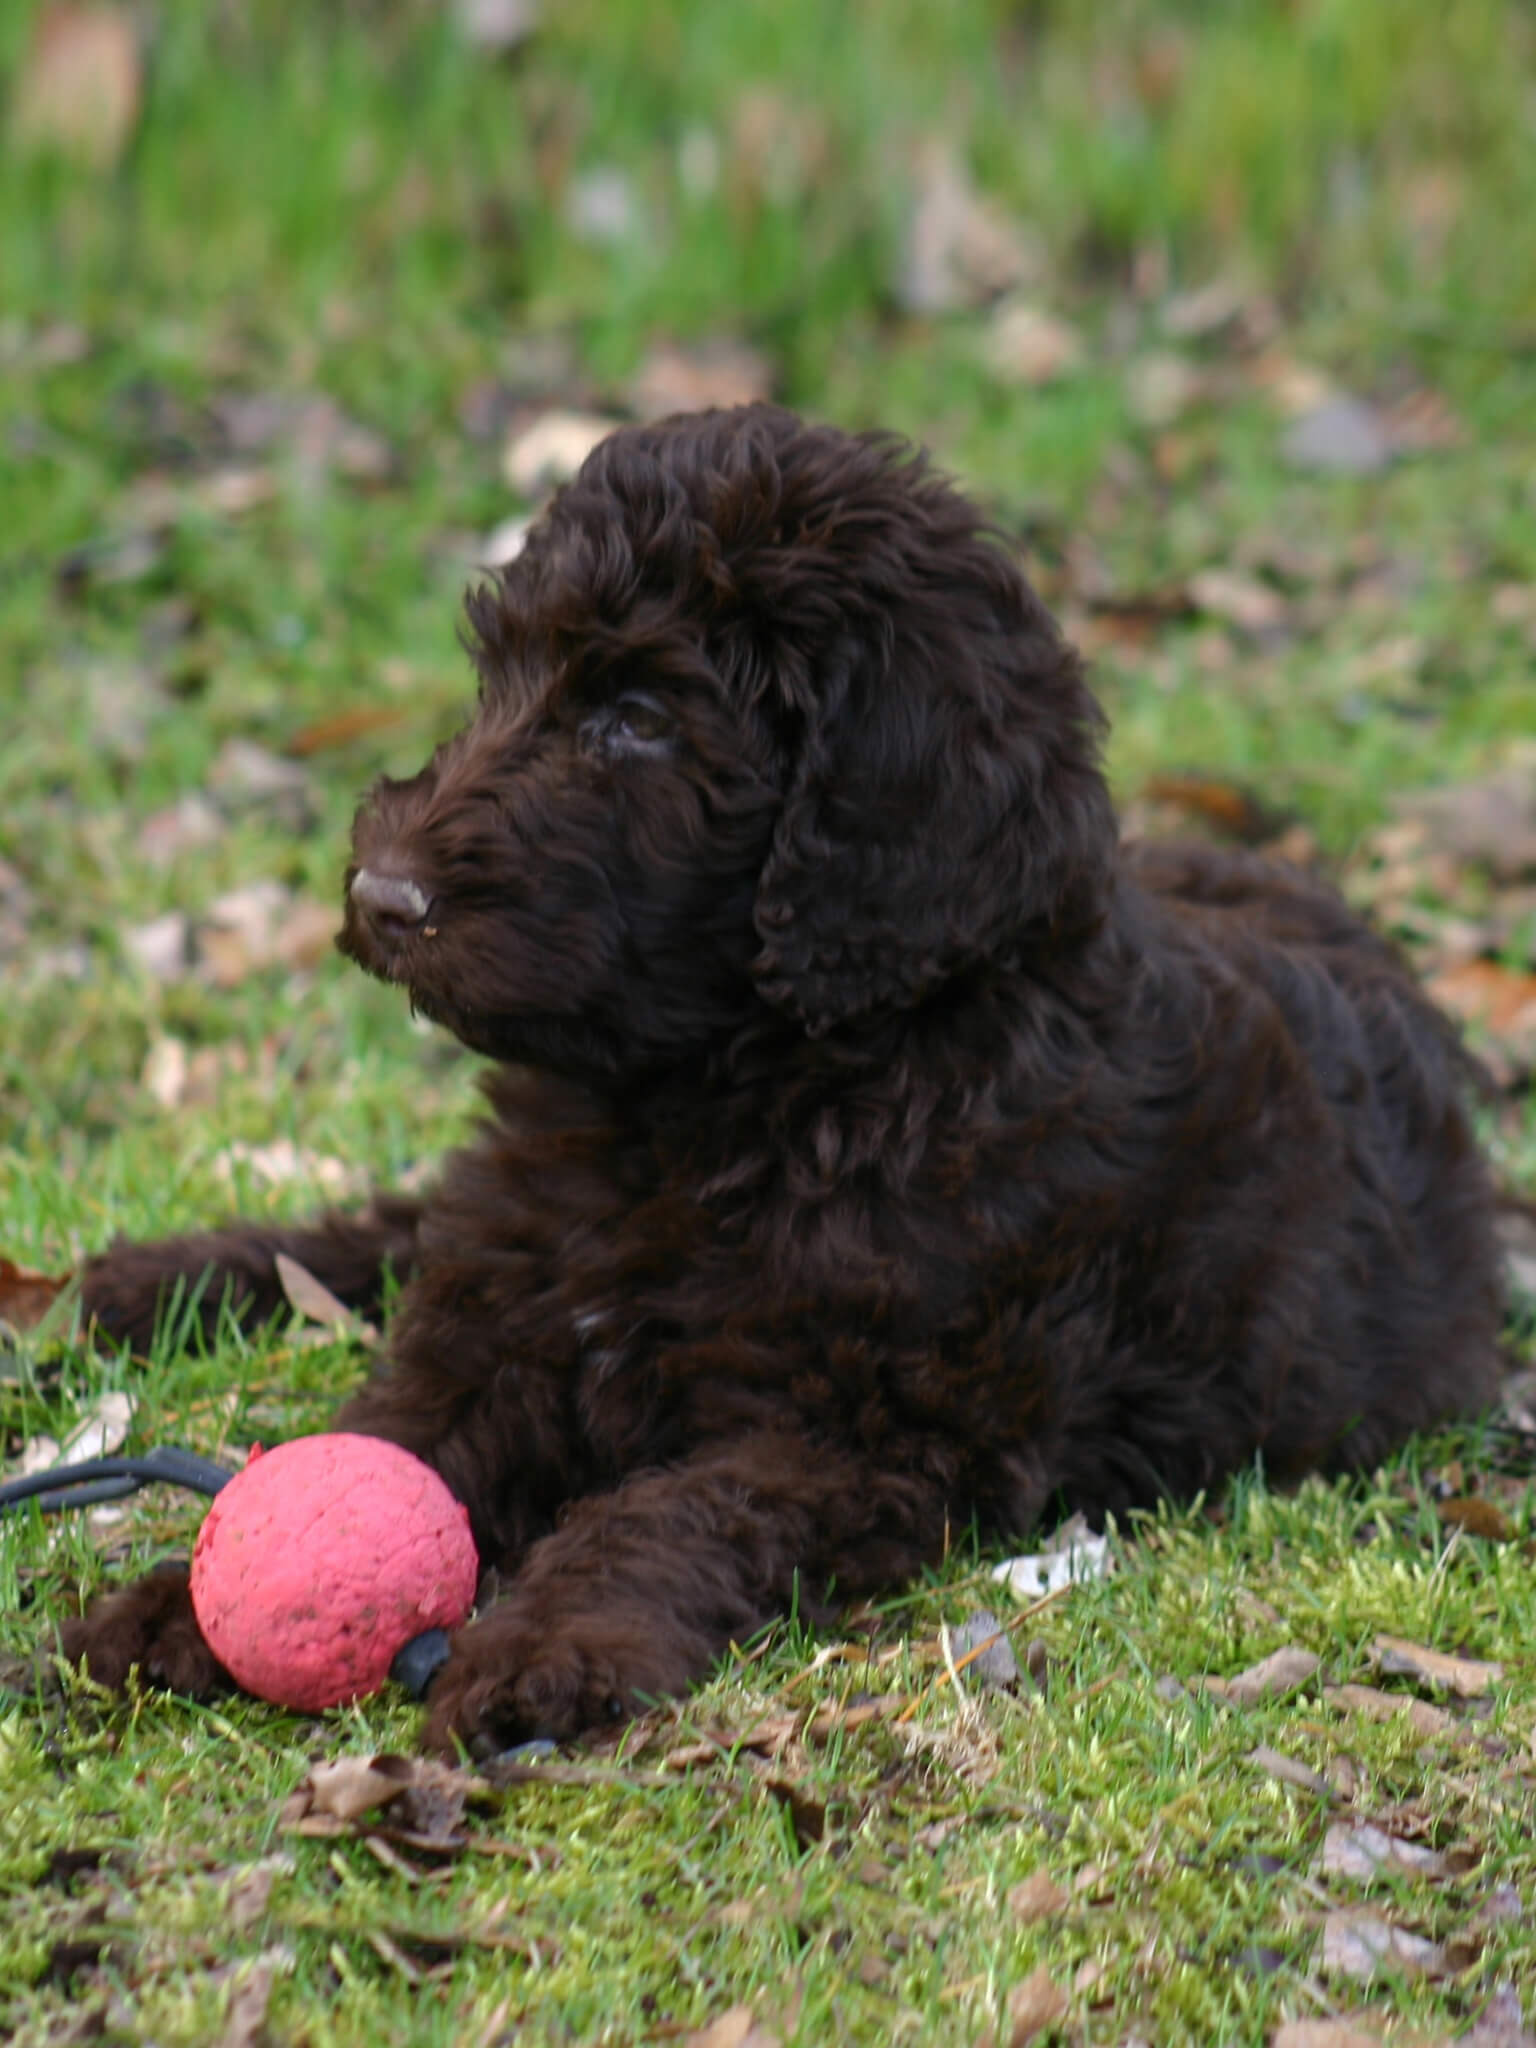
(355, 204)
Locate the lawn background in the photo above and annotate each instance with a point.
(358, 209)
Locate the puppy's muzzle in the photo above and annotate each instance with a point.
(393, 907)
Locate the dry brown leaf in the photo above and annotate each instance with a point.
(251, 1889)
(1376, 1705)
(497, 26)
(25, 1296)
(1343, 436)
(347, 1787)
(1239, 600)
(342, 727)
(678, 378)
(1161, 386)
(1227, 808)
(1501, 999)
(738, 2028)
(961, 249)
(282, 1163)
(1501, 2023)
(1289, 1771)
(1360, 1850)
(1033, 2006)
(162, 947)
(1491, 821)
(1422, 422)
(552, 450)
(1037, 1897)
(102, 1430)
(1362, 1945)
(81, 83)
(1323, 2034)
(1478, 1516)
(245, 2019)
(235, 489)
(1024, 345)
(1283, 1671)
(1467, 1677)
(314, 1301)
(164, 1074)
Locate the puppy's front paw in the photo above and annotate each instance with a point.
(517, 1674)
(150, 1626)
(504, 1685)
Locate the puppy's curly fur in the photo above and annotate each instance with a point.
(873, 1143)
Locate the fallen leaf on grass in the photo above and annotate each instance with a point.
(738, 2028)
(497, 26)
(961, 248)
(421, 1955)
(552, 450)
(282, 1163)
(1226, 808)
(1239, 600)
(1501, 2023)
(259, 926)
(101, 1431)
(80, 86)
(1342, 436)
(161, 947)
(190, 825)
(722, 371)
(1376, 1705)
(342, 727)
(1467, 1677)
(1359, 1850)
(247, 777)
(1323, 2034)
(345, 1788)
(981, 1651)
(1036, 1897)
(1501, 999)
(1363, 1946)
(1024, 345)
(251, 1889)
(1284, 1671)
(25, 1296)
(1289, 1771)
(1162, 386)
(1491, 821)
(1074, 1555)
(234, 489)
(772, 1736)
(245, 2017)
(314, 1301)
(1478, 1516)
(165, 1071)
(1033, 2006)
(426, 1803)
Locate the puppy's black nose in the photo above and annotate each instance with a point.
(393, 905)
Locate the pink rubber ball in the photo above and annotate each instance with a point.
(321, 1559)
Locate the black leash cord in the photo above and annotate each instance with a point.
(94, 1479)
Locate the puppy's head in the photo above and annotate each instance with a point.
(766, 718)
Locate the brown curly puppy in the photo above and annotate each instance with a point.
(873, 1144)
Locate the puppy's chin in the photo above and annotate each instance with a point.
(357, 944)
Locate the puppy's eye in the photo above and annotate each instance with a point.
(640, 721)
(636, 724)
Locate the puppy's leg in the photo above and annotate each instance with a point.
(129, 1287)
(150, 1626)
(639, 1591)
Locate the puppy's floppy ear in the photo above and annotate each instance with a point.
(947, 806)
